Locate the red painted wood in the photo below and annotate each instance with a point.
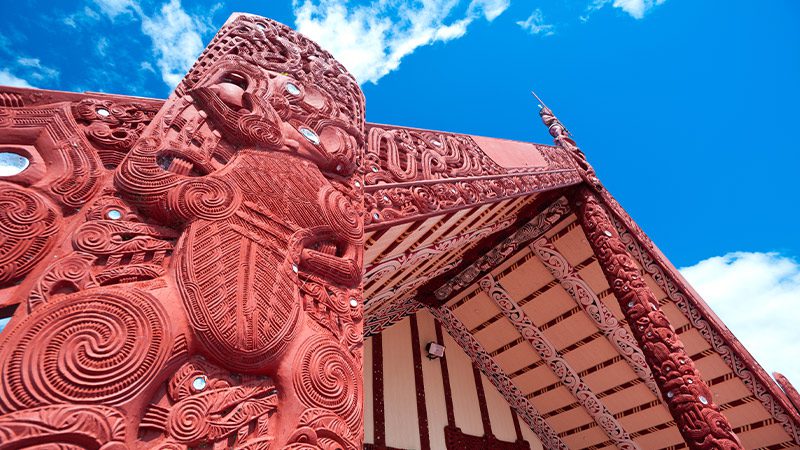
(686, 395)
(487, 426)
(422, 408)
(188, 274)
(378, 414)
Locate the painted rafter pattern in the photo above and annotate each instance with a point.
(512, 394)
(595, 309)
(531, 230)
(560, 367)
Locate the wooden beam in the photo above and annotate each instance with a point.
(595, 309)
(560, 367)
(512, 394)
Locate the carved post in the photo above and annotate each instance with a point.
(206, 288)
(687, 396)
(788, 389)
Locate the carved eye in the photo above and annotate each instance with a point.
(12, 164)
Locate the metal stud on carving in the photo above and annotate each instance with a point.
(12, 164)
(309, 135)
(292, 89)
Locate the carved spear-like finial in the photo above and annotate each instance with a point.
(554, 126)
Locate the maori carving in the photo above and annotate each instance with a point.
(208, 404)
(723, 342)
(401, 155)
(112, 127)
(531, 230)
(62, 426)
(27, 227)
(788, 389)
(483, 361)
(594, 308)
(413, 172)
(685, 393)
(560, 367)
(206, 289)
(97, 347)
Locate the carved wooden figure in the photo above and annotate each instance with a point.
(190, 276)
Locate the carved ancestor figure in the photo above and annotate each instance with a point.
(195, 281)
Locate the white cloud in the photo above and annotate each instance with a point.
(175, 35)
(636, 8)
(534, 24)
(176, 40)
(757, 295)
(9, 79)
(35, 70)
(371, 40)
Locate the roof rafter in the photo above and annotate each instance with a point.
(595, 309)
(560, 367)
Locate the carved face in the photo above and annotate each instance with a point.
(243, 160)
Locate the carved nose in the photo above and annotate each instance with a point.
(229, 93)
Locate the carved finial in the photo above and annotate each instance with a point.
(554, 126)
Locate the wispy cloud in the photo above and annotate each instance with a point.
(176, 36)
(9, 79)
(535, 24)
(757, 295)
(371, 40)
(636, 8)
(37, 70)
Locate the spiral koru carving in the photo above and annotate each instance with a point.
(327, 378)
(210, 199)
(27, 227)
(97, 347)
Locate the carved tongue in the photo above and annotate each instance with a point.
(180, 166)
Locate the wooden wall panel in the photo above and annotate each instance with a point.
(400, 397)
(462, 384)
(499, 413)
(434, 387)
(399, 392)
(369, 419)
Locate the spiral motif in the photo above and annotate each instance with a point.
(93, 237)
(341, 214)
(327, 378)
(261, 132)
(187, 424)
(27, 225)
(208, 198)
(97, 347)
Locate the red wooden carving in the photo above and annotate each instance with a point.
(685, 393)
(190, 275)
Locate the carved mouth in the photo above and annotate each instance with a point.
(182, 164)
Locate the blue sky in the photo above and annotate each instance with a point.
(687, 109)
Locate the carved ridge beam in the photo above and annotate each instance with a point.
(531, 230)
(595, 309)
(389, 205)
(560, 367)
(510, 392)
